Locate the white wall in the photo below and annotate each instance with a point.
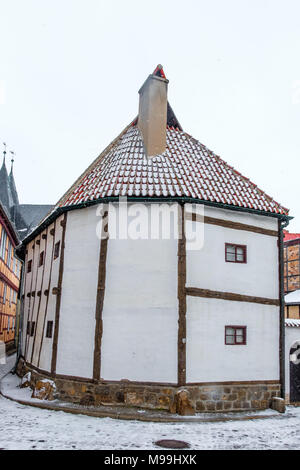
(140, 315)
(46, 350)
(292, 334)
(79, 291)
(207, 269)
(210, 360)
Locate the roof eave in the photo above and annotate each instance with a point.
(180, 199)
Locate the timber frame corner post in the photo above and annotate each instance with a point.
(181, 293)
(281, 225)
(58, 296)
(100, 298)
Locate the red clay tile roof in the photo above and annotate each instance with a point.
(290, 236)
(187, 168)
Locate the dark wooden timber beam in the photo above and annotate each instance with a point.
(230, 224)
(181, 293)
(213, 294)
(58, 298)
(100, 298)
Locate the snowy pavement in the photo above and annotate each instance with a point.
(24, 427)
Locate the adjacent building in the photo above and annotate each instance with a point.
(10, 272)
(16, 221)
(142, 320)
(291, 261)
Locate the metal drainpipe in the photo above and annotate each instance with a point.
(281, 226)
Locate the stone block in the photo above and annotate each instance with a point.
(184, 406)
(44, 390)
(278, 404)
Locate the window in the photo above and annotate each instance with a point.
(235, 335)
(235, 253)
(56, 250)
(41, 261)
(28, 328)
(29, 266)
(9, 252)
(4, 293)
(3, 243)
(49, 329)
(32, 328)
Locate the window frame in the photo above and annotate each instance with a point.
(244, 248)
(29, 266)
(56, 250)
(49, 329)
(41, 258)
(236, 327)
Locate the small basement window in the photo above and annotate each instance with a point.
(235, 335)
(235, 253)
(29, 266)
(56, 250)
(49, 329)
(41, 260)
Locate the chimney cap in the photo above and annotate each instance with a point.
(158, 74)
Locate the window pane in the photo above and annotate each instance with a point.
(230, 256)
(229, 339)
(240, 331)
(229, 331)
(240, 254)
(239, 339)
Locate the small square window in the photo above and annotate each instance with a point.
(49, 329)
(56, 250)
(29, 266)
(235, 253)
(41, 260)
(235, 335)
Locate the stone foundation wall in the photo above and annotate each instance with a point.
(201, 398)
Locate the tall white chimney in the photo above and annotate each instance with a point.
(152, 120)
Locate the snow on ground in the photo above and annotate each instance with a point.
(24, 427)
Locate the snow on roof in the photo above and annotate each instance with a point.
(187, 168)
(292, 322)
(292, 297)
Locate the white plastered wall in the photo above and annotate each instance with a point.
(210, 360)
(207, 269)
(46, 350)
(79, 291)
(140, 314)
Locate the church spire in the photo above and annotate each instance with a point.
(12, 184)
(5, 194)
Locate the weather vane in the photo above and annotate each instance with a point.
(4, 151)
(12, 157)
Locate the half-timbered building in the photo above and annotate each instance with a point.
(143, 320)
(10, 272)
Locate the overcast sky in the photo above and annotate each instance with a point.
(70, 71)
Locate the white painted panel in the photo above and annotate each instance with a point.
(207, 268)
(47, 247)
(34, 250)
(140, 315)
(46, 351)
(210, 360)
(79, 292)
